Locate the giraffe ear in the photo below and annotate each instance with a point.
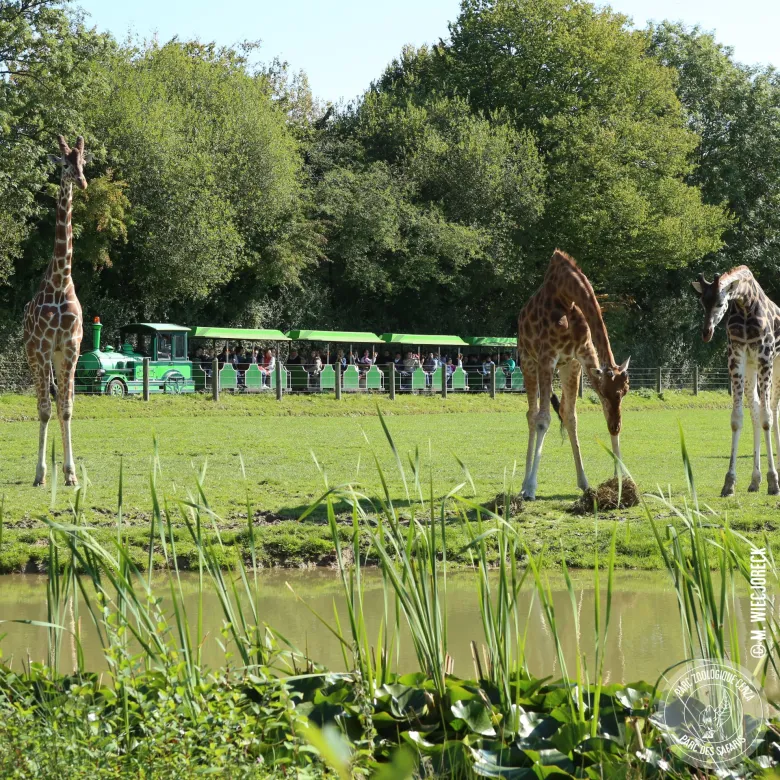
(624, 365)
(89, 157)
(54, 159)
(697, 286)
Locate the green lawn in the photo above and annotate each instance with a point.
(276, 442)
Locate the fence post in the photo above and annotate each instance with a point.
(582, 383)
(695, 379)
(443, 381)
(146, 378)
(392, 381)
(338, 379)
(492, 380)
(659, 381)
(278, 376)
(215, 379)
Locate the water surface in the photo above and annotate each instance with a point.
(644, 638)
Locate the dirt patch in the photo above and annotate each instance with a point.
(498, 504)
(606, 497)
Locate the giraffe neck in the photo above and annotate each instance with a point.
(571, 284)
(58, 274)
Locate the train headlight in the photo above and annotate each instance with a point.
(100, 372)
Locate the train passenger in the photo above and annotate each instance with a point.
(294, 359)
(429, 366)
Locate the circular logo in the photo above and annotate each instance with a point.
(711, 713)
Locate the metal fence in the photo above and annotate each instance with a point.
(322, 379)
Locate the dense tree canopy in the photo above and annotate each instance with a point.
(223, 192)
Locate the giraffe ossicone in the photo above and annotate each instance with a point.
(52, 319)
(561, 328)
(753, 328)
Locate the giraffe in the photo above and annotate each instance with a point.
(753, 328)
(52, 319)
(561, 327)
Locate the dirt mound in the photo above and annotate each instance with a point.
(498, 504)
(606, 497)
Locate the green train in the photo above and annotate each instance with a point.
(119, 371)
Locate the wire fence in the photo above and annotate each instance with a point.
(318, 378)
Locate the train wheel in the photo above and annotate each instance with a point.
(116, 388)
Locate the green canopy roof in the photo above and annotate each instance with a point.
(143, 327)
(492, 341)
(414, 339)
(334, 336)
(238, 334)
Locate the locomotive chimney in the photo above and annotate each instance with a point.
(96, 328)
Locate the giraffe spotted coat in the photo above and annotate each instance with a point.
(53, 322)
(561, 328)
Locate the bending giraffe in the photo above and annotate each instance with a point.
(52, 319)
(561, 327)
(753, 327)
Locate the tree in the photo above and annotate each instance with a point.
(213, 178)
(735, 110)
(45, 77)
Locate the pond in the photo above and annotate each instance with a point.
(644, 638)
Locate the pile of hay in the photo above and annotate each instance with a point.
(606, 497)
(498, 504)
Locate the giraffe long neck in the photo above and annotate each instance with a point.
(59, 269)
(576, 287)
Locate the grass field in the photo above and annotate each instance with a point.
(276, 442)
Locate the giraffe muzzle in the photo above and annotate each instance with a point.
(706, 335)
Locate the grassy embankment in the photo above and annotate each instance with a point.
(276, 442)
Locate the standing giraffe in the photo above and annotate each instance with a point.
(753, 328)
(561, 327)
(52, 319)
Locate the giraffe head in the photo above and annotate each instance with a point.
(612, 386)
(715, 297)
(73, 160)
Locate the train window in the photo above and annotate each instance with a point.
(163, 346)
(178, 347)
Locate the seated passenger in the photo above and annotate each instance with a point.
(294, 359)
(365, 361)
(508, 364)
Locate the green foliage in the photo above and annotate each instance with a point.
(212, 173)
(223, 192)
(46, 59)
(157, 711)
(735, 110)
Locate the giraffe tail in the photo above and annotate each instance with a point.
(52, 387)
(556, 404)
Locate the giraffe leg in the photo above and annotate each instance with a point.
(532, 394)
(751, 392)
(774, 402)
(65, 365)
(41, 375)
(541, 425)
(737, 361)
(570, 382)
(764, 392)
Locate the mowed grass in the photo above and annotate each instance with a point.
(279, 441)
